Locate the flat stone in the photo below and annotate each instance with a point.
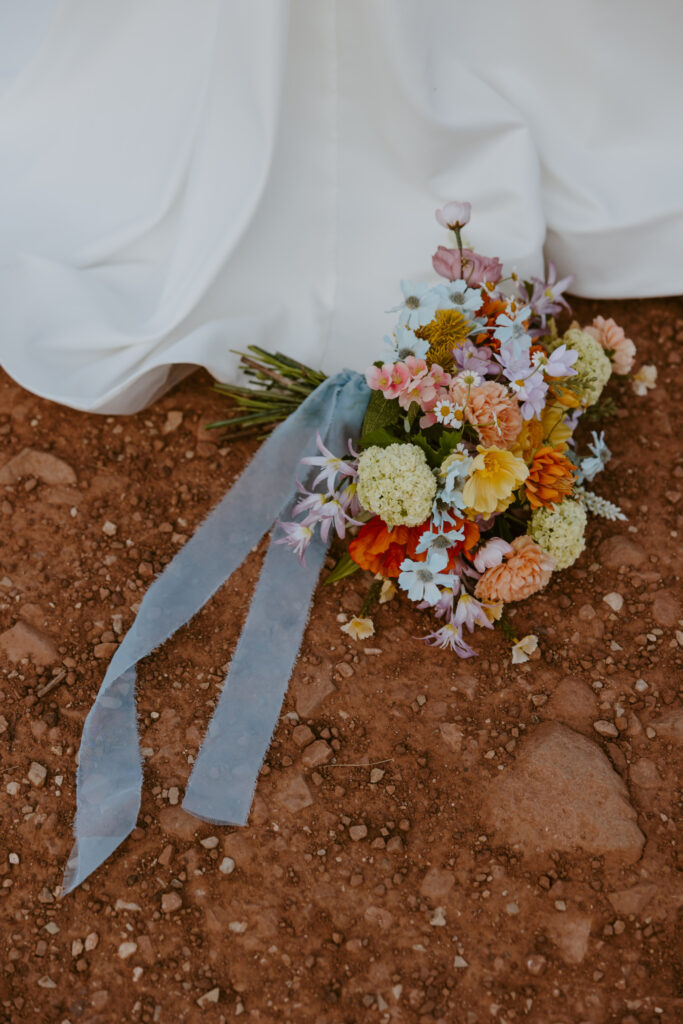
(605, 728)
(633, 900)
(437, 883)
(177, 822)
(294, 794)
(451, 735)
(212, 996)
(379, 917)
(619, 551)
(103, 651)
(561, 793)
(358, 832)
(126, 949)
(466, 684)
(670, 725)
(571, 934)
(666, 610)
(644, 773)
(42, 465)
(24, 641)
(317, 753)
(309, 696)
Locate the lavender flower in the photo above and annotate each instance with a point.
(470, 613)
(449, 637)
(297, 537)
(547, 299)
(331, 465)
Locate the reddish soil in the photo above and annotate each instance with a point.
(442, 863)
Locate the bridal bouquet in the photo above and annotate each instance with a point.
(465, 488)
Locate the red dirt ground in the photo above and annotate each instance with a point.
(456, 857)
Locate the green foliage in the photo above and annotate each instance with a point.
(602, 410)
(506, 628)
(344, 567)
(380, 414)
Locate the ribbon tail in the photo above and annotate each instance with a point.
(224, 777)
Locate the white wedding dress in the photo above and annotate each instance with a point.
(180, 178)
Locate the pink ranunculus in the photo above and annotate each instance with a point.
(417, 367)
(474, 268)
(491, 554)
(400, 375)
(454, 215)
(419, 389)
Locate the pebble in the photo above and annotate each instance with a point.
(438, 918)
(91, 940)
(302, 735)
(174, 418)
(4, 724)
(173, 795)
(614, 600)
(212, 996)
(226, 866)
(32, 463)
(25, 641)
(109, 528)
(37, 774)
(294, 794)
(127, 949)
(358, 832)
(12, 788)
(76, 947)
(376, 775)
(460, 961)
(641, 686)
(238, 927)
(105, 650)
(605, 728)
(170, 902)
(46, 982)
(535, 964)
(210, 843)
(316, 754)
(13, 858)
(560, 905)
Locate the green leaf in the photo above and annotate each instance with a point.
(380, 413)
(382, 438)
(344, 567)
(450, 439)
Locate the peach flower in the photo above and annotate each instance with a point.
(492, 410)
(526, 569)
(612, 336)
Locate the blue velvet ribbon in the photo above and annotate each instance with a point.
(223, 779)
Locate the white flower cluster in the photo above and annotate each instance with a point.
(560, 532)
(396, 484)
(599, 506)
(593, 366)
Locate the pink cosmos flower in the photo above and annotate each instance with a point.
(474, 268)
(454, 215)
(420, 389)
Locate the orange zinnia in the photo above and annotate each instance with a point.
(381, 550)
(551, 478)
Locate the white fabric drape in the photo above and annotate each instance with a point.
(179, 178)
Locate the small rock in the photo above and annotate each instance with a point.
(177, 822)
(126, 949)
(212, 996)
(4, 724)
(358, 832)
(614, 600)
(165, 856)
(316, 754)
(173, 795)
(605, 728)
(670, 725)
(46, 982)
(460, 961)
(452, 735)
(109, 528)
(210, 843)
(76, 947)
(302, 735)
(174, 418)
(644, 773)
(437, 883)
(619, 551)
(376, 775)
(37, 774)
(535, 964)
(226, 866)
(170, 902)
(238, 927)
(380, 917)
(24, 641)
(42, 465)
(573, 703)
(91, 940)
(294, 794)
(438, 918)
(633, 900)
(309, 696)
(105, 650)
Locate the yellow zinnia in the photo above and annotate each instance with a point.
(494, 476)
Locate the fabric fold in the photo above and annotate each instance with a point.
(223, 781)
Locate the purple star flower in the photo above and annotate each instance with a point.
(547, 298)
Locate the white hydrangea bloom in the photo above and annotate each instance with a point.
(396, 484)
(560, 531)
